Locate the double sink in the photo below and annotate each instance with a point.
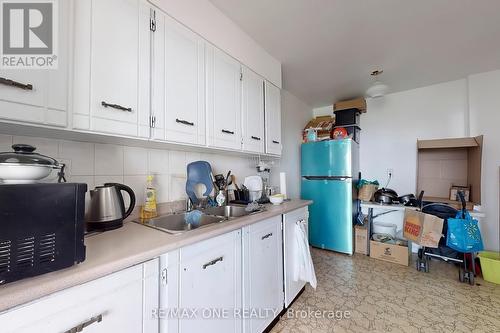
(178, 223)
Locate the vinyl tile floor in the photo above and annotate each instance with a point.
(362, 294)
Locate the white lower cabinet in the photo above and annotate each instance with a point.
(210, 285)
(114, 303)
(292, 288)
(262, 274)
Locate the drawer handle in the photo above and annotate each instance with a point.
(227, 131)
(213, 262)
(81, 327)
(255, 138)
(276, 142)
(15, 84)
(116, 106)
(267, 236)
(299, 222)
(184, 122)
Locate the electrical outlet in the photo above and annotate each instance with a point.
(390, 173)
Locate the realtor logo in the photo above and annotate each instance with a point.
(29, 34)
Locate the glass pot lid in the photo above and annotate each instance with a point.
(25, 155)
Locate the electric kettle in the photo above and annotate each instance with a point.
(107, 208)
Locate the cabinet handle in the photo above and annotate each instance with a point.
(80, 327)
(255, 138)
(276, 142)
(116, 106)
(267, 236)
(227, 131)
(213, 262)
(15, 84)
(184, 122)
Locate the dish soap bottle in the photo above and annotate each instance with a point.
(148, 210)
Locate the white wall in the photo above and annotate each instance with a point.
(323, 111)
(294, 116)
(208, 21)
(96, 164)
(393, 124)
(484, 100)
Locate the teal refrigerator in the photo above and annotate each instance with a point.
(330, 171)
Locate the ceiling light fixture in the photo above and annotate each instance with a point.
(377, 89)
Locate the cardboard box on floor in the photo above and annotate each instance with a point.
(442, 163)
(397, 254)
(361, 239)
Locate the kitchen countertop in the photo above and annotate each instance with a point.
(112, 251)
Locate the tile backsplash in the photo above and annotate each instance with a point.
(96, 164)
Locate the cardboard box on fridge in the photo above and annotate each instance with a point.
(323, 126)
(422, 229)
(398, 254)
(361, 239)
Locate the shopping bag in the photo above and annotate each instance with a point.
(463, 234)
(422, 229)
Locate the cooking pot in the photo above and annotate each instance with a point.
(406, 199)
(24, 166)
(385, 196)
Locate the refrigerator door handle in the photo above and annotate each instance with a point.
(341, 178)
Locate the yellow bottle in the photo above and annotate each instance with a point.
(148, 210)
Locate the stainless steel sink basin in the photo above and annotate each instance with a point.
(228, 211)
(176, 223)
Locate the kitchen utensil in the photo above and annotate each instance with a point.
(276, 199)
(107, 208)
(255, 187)
(42, 228)
(24, 166)
(199, 172)
(385, 196)
(233, 180)
(405, 199)
(228, 177)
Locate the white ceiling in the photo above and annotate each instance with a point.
(329, 47)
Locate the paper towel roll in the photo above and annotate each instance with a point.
(283, 184)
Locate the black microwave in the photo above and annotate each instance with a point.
(41, 228)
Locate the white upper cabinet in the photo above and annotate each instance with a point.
(40, 96)
(178, 83)
(252, 111)
(273, 119)
(223, 100)
(112, 54)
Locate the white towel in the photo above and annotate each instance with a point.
(303, 268)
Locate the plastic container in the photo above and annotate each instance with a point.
(148, 210)
(490, 266)
(348, 117)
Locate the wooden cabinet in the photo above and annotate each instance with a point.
(112, 67)
(223, 100)
(262, 272)
(113, 303)
(252, 111)
(273, 119)
(292, 288)
(41, 95)
(178, 83)
(210, 281)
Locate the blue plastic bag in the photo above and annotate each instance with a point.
(463, 234)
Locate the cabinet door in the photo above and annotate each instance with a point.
(273, 119)
(115, 37)
(169, 291)
(223, 100)
(110, 304)
(184, 84)
(45, 102)
(292, 288)
(252, 107)
(210, 282)
(262, 272)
